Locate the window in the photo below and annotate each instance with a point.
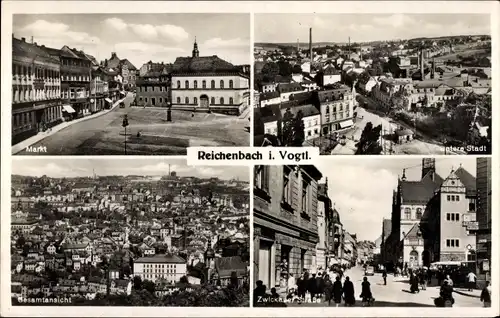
(204, 84)
(457, 198)
(286, 185)
(453, 198)
(231, 101)
(195, 100)
(419, 213)
(262, 177)
(407, 213)
(305, 195)
(448, 198)
(186, 84)
(231, 84)
(452, 243)
(472, 206)
(212, 101)
(187, 100)
(195, 84)
(221, 83)
(212, 84)
(178, 100)
(161, 100)
(222, 100)
(454, 217)
(146, 99)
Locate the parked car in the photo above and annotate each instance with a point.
(369, 271)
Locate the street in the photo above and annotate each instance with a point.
(364, 116)
(104, 135)
(396, 293)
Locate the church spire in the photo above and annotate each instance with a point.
(196, 53)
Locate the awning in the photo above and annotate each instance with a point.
(108, 100)
(347, 123)
(68, 109)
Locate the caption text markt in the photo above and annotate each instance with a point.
(254, 155)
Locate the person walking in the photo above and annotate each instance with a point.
(328, 289)
(311, 286)
(471, 281)
(348, 289)
(486, 295)
(337, 291)
(301, 286)
(449, 280)
(384, 275)
(366, 292)
(422, 280)
(291, 284)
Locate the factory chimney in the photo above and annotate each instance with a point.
(298, 47)
(433, 72)
(310, 44)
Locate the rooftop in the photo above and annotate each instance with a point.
(170, 259)
(202, 64)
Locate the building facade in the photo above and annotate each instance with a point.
(483, 217)
(208, 83)
(169, 268)
(98, 90)
(336, 107)
(153, 90)
(75, 83)
(36, 90)
(285, 221)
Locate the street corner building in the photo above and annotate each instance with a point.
(207, 84)
(441, 219)
(285, 222)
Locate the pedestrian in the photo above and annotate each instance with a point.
(449, 280)
(258, 293)
(311, 286)
(413, 283)
(422, 280)
(348, 289)
(301, 286)
(366, 293)
(384, 275)
(446, 293)
(337, 291)
(328, 289)
(471, 281)
(320, 285)
(429, 277)
(486, 295)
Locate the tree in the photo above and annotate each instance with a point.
(369, 144)
(137, 283)
(269, 71)
(285, 69)
(292, 134)
(149, 286)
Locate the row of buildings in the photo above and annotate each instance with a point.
(195, 83)
(296, 226)
(438, 219)
(51, 85)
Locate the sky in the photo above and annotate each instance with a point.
(286, 28)
(362, 189)
(141, 37)
(83, 167)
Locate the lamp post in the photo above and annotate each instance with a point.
(124, 125)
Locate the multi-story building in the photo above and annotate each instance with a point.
(328, 76)
(169, 268)
(208, 83)
(483, 218)
(335, 237)
(336, 105)
(387, 89)
(98, 90)
(125, 68)
(405, 245)
(324, 206)
(285, 221)
(452, 219)
(153, 89)
(150, 66)
(350, 249)
(36, 89)
(75, 82)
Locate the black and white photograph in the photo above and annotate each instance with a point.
(382, 84)
(142, 232)
(373, 233)
(129, 84)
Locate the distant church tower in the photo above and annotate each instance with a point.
(428, 164)
(196, 53)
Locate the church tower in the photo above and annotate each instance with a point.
(428, 164)
(196, 53)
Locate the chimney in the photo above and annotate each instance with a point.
(35, 44)
(433, 67)
(23, 39)
(310, 45)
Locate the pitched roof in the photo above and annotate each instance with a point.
(202, 64)
(468, 180)
(418, 192)
(161, 259)
(23, 48)
(128, 63)
(289, 87)
(307, 110)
